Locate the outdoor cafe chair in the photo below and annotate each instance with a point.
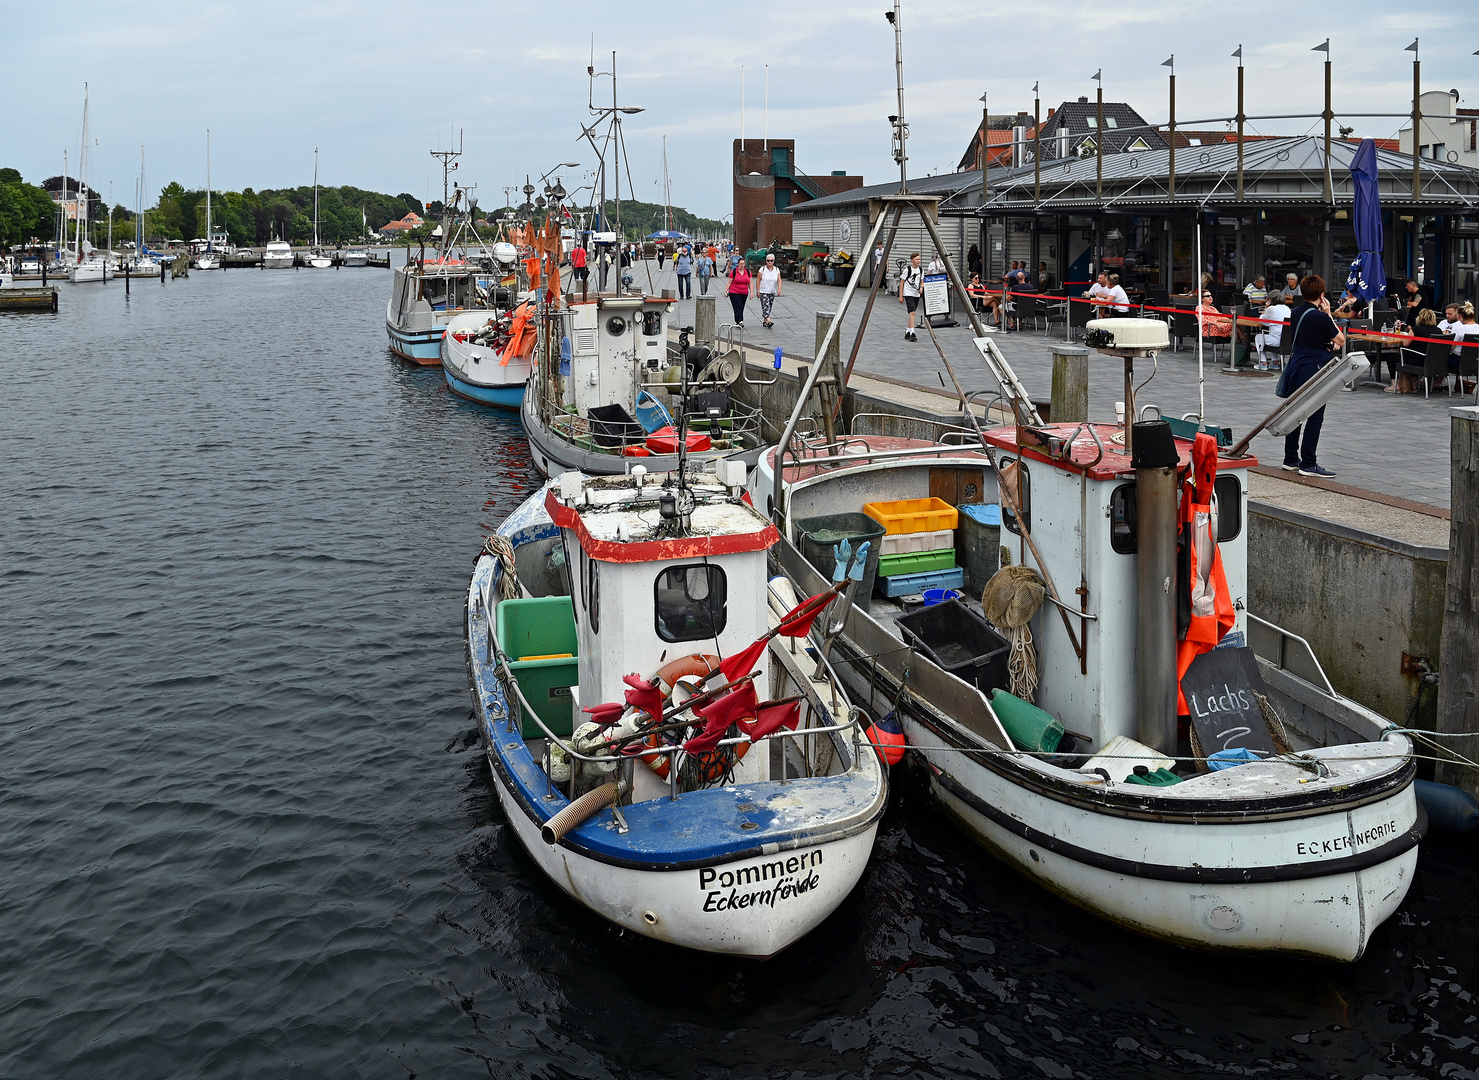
(1080, 311)
(1433, 361)
(1468, 366)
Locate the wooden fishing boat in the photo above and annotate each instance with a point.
(718, 822)
(487, 356)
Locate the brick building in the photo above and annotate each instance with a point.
(767, 184)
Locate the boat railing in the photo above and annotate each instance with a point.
(1302, 661)
(848, 458)
(942, 428)
(510, 716)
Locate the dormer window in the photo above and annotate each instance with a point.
(1088, 148)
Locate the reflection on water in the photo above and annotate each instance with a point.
(248, 830)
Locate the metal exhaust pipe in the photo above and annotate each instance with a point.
(1155, 460)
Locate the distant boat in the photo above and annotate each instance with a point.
(92, 268)
(208, 259)
(278, 255)
(316, 258)
(355, 257)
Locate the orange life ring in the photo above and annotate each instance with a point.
(710, 763)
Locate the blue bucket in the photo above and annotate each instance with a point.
(940, 596)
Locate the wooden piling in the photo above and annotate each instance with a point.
(1458, 687)
(703, 318)
(1070, 400)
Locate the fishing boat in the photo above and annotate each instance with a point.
(463, 276)
(675, 803)
(1102, 712)
(487, 356)
(277, 255)
(606, 385)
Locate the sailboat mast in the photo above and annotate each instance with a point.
(616, 119)
(62, 243)
(81, 173)
(209, 239)
(315, 198)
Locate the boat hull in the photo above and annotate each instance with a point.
(86, 273)
(355, 260)
(417, 346)
(1331, 915)
(505, 397)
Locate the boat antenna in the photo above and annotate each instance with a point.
(448, 158)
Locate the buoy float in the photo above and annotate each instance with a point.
(888, 739)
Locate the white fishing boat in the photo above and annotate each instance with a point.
(277, 255)
(487, 356)
(1104, 714)
(428, 293)
(733, 827)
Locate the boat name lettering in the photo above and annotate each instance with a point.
(1338, 844)
(783, 872)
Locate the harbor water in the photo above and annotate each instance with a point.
(248, 830)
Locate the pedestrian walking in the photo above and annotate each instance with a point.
(683, 265)
(1315, 340)
(739, 290)
(768, 287)
(909, 285)
(705, 271)
(578, 268)
(880, 268)
(660, 254)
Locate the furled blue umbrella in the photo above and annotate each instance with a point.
(1368, 278)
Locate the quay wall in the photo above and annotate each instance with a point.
(1361, 600)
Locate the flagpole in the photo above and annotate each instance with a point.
(1324, 47)
(1171, 177)
(1417, 119)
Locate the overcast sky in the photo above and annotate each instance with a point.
(376, 85)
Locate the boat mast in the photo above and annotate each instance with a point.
(81, 173)
(315, 199)
(62, 244)
(209, 245)
(448, 158)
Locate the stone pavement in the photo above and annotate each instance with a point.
(1394, 444)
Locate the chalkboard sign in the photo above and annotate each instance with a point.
(1219, 688)
(936, 294)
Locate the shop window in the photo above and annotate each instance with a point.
(691, 602)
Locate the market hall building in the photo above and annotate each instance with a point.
(1122, 212)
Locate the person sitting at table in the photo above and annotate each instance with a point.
(1272, 334)
(1411, 303)
(1470, 330)
(1450, 319)
(1214, 323)
(1257, 293)
(1351, 307)
(987, 303)
(1290, 291)
(1425, 324)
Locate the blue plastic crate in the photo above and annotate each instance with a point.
(903, 584)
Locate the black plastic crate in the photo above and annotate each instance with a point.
(613, 426)
(818, 536)
(961, 641)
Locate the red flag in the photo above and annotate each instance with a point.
(644, 695)
(719, 714)
(797, 622)
(743, 662)
(775, 716)
(605, 714)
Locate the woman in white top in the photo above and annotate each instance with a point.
(1273, 318)
(768, 287)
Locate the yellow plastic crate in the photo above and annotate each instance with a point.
(913, 515)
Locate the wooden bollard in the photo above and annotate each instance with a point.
(1070, 400)
(1458, 689)
(703, 318)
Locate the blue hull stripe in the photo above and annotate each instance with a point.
(508, 397)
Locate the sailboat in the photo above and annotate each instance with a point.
(357, 255)
(316, 258)
(143, 261)
(86, 265)
(208, 259)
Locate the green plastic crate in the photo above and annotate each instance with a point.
(541, 626)
(918, 562)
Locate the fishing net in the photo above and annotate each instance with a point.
(1011, 598)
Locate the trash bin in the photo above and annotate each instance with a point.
(961, 641)
(820, 534)
(978, 544)
(612, 426)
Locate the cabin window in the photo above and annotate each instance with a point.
(593, 592)
(1226, 490)
(1229, 495)
(690, 602)
(1123, 513)
(1017, 468)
